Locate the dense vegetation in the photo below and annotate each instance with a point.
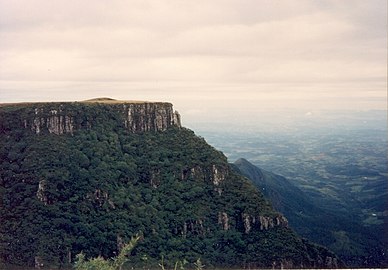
(309, 219)
(92, 190)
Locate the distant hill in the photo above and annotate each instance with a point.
(301, 211)
(107, 100)
(86, 176)
(311, 220)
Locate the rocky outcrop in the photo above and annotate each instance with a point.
(150, 117)
(219, 175)
(223, 220)
(41, 192)
(194, 227)
(54, 121)
(263, 222)
(101, 197)
(270, 222)
(216, 174)
(68, 117)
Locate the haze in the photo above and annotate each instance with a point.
(215, 60)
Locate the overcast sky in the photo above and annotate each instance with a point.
(208, 57)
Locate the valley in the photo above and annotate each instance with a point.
(343, 170)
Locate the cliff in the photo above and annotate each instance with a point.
(86, 176)
(68, 117)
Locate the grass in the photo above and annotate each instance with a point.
(102, 100)
(107, 100)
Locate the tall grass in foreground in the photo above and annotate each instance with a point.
(117, 262)
(100, 263)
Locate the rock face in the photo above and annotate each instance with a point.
(264, 222)
(68, 117)
(54, 121)
(150, 117)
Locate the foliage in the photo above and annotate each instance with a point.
(198, 264)
(92, 190)
(100, 263)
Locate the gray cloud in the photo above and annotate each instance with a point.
(269, 52)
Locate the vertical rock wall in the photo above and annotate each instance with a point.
(66, 118)
(150, 117)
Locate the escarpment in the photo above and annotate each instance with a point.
(86, 176)
(68, 117)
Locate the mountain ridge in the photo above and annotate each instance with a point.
(311, 220)
(66, 117)
(94, 187)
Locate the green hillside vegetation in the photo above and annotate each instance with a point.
(90, 190)
(312, 221)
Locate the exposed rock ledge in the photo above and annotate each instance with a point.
(68, 117)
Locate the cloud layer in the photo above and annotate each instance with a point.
(226, 54)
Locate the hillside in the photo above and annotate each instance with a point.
(288, 199)
(86, 176)
(309, 219)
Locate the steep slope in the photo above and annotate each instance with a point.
(86, 176)
(312, 221)
(301, 211)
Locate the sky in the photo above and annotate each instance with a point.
(215, 60)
